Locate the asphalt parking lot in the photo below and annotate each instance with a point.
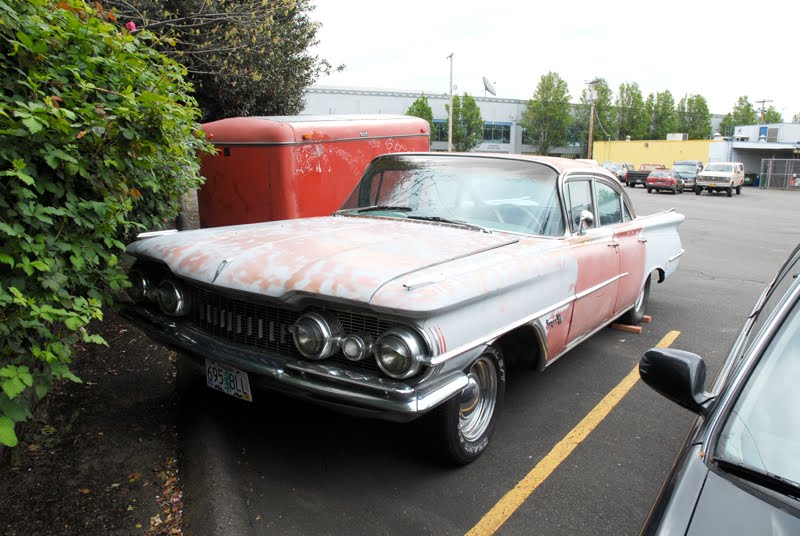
(282, 467)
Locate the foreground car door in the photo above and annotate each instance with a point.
(596, 255)
(613, 213)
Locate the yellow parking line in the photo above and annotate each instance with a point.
(512, 500)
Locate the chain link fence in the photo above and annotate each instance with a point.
(780, 174)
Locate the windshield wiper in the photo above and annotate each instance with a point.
(390, 208)
(760, 477)
(454, 222)
(375, 208)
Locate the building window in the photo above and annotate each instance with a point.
(439, 132)
(496, 132)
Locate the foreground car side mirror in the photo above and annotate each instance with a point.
(680, 376)
(585, 220)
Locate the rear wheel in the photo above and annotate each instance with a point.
(697, 190)
(465, 423)
(649, 190)
(675, 190)
(635, 314)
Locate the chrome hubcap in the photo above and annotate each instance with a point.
(478, 399)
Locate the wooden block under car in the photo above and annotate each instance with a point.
(627, 327)
(647, 318)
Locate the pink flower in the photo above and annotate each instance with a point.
(131, 26)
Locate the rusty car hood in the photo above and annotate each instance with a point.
(349, 258)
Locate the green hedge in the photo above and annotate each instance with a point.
(99, 140)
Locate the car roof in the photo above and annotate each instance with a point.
(562, 165)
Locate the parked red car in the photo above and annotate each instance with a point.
(664, 179)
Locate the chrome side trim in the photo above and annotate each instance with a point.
(598, 287)
(681, 252)
(441, 358)
(153, 234)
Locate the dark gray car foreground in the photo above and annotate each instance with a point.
(738, 471)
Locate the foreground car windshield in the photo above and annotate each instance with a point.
(494, 193)
(762, 430)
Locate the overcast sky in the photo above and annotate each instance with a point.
(719, 50)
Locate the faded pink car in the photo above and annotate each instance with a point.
(439, 271)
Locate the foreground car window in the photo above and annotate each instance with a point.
(507, 195)
(763, 429)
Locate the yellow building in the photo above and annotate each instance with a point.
(652, 151)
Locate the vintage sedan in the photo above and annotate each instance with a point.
(739, 469)
(439, 271)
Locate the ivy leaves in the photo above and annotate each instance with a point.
(99, 140)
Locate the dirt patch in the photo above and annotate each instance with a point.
(99, 457)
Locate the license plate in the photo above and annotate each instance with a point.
(228, 380)
(712, 184)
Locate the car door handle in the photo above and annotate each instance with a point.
(613, 245)
(642, 240)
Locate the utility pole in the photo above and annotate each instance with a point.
(591, 117)
(450, 119)
(761, 117)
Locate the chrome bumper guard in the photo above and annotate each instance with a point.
(338, 388)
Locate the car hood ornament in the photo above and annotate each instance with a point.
(221, 267)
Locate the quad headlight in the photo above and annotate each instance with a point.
(398, 352)
(172, 299)
(317, 335)
(140, 286)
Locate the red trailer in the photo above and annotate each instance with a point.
(278, 168)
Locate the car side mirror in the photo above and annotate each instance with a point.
(680, 376)
(585, 220)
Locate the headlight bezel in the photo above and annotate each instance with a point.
(404, 342)
(328, 333)
(170, 289)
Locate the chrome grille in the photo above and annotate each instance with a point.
(266, 327)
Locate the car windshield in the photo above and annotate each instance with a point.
(660, 174)
(763, 428)
(612, 166)
(684, 168)
(494, 193)
(719, 167)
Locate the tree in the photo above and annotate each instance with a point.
(547, 114)
(467, 123)
(743, 114)
(100, 140)
(631, 119)
(244, 57)
(796, 118)
(693, 117)
(660, 109)
(421, 108)
(771, 115)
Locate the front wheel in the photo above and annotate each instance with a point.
(465, 423)
(649, 190)
(730, 191)
(635, 314)
(739, 190)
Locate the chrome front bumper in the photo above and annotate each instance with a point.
(335, 387)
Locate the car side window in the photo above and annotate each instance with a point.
(609, 205)
(579, 198)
